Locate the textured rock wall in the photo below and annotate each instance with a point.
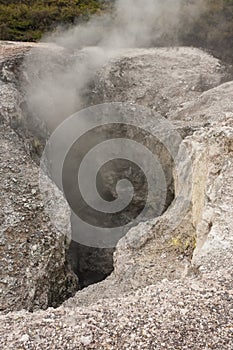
(34, 273)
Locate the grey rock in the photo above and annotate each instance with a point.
(35, 273)
(161, 78)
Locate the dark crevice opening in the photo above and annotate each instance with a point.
(91, 265)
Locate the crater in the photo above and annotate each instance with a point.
(94, 264)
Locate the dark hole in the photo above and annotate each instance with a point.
(91, 265)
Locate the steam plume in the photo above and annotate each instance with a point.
(56, 88)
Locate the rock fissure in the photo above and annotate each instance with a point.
(42, 267)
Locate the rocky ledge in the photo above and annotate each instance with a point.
(171, 287)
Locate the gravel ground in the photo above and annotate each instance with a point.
(190, 314)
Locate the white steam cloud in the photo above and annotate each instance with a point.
(57, 79)
(135, 23)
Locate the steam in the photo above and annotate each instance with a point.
(135, 23)
(58, 77)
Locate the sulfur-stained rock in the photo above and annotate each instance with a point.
(214, 223)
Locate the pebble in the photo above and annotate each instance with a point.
(24, 338)
(86, 340)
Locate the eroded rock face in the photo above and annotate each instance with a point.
(35, 273)
(211, 106)
(162, 79)
(213, 199)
